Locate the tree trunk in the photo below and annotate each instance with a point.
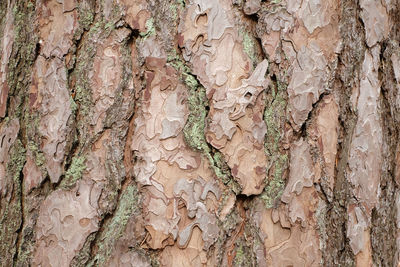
(199, 133)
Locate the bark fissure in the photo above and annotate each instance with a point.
(384, 217)
(348, 72)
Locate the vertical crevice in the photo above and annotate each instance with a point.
(384, 216)
(337, 250)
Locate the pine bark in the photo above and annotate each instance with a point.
(199, 133)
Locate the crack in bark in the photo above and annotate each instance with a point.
(383, 229)
(215, 157)
(335, 220)
(21, 227)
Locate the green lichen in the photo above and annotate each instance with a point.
(109, 25)
(74, 172)
(118, 112)
(73, 105)
(240, 256)
(173, 8)
(150, 29)
(37, 154)
(194, 128)
(22, 56)
(17, 160)
(194, 132)
(274, 189)
(82, 96)
(115, 227)
(191, 82)
(195, 125)
(6, 120)
(32, 120)
(30, 5)
(11, 214)
(100, 29)
(175, 61)
(274, 117)
(244, 255)
(249, 46)
(85, 16)
(181, 2)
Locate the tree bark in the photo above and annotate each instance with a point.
(199, 133)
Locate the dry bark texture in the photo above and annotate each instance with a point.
(200, 133)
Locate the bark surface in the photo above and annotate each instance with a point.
(200, 133)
